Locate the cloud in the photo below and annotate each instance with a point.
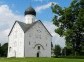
(43, 7)
(3, 36)
(7, 18)
(56, 39)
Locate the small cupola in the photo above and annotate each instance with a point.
(30, 11)
(30, 15)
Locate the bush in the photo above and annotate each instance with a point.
(73, 57)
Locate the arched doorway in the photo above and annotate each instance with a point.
(37, 54)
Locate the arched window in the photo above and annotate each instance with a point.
(9, 49)
(38, 47)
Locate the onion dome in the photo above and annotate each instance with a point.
(30, 11)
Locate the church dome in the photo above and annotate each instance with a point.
(30, 11)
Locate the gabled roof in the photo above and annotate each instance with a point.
(25, 27)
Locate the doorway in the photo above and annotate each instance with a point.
(37, 54)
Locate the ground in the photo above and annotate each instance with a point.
(40, 60)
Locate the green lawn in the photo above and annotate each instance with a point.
(40, 60)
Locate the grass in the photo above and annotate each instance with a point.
(40, 60)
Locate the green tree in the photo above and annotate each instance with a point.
(57, 50)
(4, 49)
(70, 23)
(64, 51)
(0, 49)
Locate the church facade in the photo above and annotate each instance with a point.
(29, 39)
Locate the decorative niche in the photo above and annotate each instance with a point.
(46, 44)
(39, 31)
(9, 49)
(29, 42)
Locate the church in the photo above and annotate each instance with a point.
(29, 38)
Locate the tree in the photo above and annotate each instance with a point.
(57, 50)
(4, 49)
(70, 23)
(0, 49)
(66, 51)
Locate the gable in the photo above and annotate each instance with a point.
(13, 27)
(45, 28)
(39, 22)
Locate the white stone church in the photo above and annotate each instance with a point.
(29, 38)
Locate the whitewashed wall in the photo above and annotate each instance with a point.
(29, 19)
(16, 42)
(37, 35)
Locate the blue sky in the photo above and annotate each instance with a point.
(19, 6)
(11, 10)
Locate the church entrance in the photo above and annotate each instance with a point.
(37, 54)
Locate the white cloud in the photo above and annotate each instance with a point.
(56, 39)
(7, 18)
(43, 7)
(3, 36)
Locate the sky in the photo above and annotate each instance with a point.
(12, 10)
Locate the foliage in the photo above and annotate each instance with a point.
(66, 51)
(3, 50)
(57, 50)
(73, 57)
(0, 49)
(70, 23)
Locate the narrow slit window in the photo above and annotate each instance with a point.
(38, 47)
(46, 44)
(29, 43)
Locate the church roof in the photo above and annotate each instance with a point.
(26, 27)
